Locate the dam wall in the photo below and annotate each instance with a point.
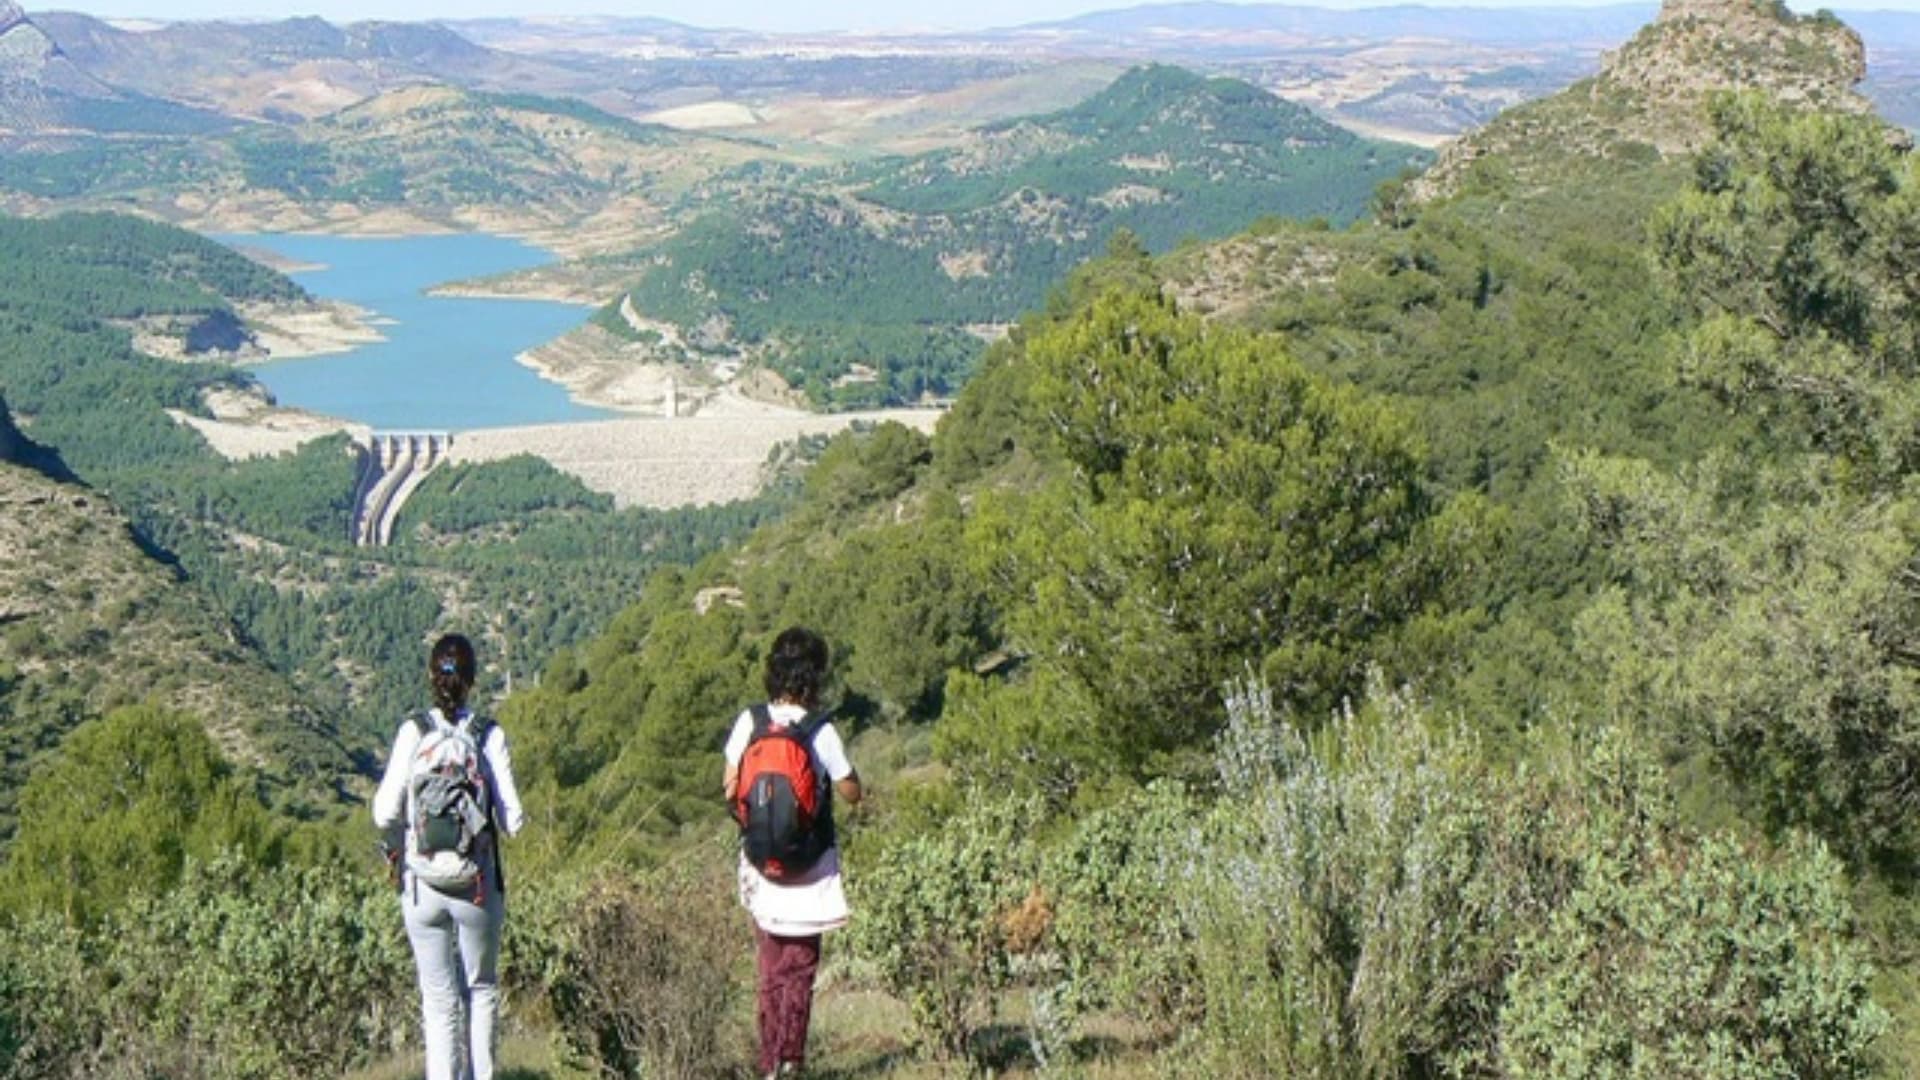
(392, 466)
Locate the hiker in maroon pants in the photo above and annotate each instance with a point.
(785, 766)
(787, 966)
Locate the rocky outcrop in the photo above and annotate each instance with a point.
(1696, 47)
(13, 446)
(220, 332)
(1648, 100)
(17, 449)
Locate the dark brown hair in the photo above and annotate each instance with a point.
(797, 667)
(450, 671)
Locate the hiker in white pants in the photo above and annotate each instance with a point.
(453, 899)
(456, 949)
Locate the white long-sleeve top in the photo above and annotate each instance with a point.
(390, 801)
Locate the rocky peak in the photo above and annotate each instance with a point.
(24, 49)
(1695, 47)
(1651, 94)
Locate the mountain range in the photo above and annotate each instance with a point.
(42, 89)
(1527, 25)
(881, 268)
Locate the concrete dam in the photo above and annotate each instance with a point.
(392, 465)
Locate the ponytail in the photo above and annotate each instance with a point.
(450, 672)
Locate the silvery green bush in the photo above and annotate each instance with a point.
(1380, 900)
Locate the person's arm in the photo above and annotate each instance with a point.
(833, 757)
(506, 793)
(390, 801)
(736, 746)
(849, 789)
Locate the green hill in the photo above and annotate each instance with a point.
(423, 156)
(881, 267)
(1639, 427)
(91, 620)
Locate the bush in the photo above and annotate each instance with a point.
(236, 972)
(1352, 904)
(1724, 964)
(1380, 901)
(49, 1025)
(935, 914)
(130, 799)
(284, 973)
(1115, 930)
(643, 974)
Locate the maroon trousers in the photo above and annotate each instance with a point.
(787, 966)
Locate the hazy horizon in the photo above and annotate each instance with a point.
(757, 15)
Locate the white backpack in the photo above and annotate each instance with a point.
(448, 804)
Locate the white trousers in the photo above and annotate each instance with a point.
(456, 950)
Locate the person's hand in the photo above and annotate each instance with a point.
(390, 855)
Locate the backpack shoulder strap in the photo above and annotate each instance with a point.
(762, 720)
(478, 728)
(809, 725)
(422, 723)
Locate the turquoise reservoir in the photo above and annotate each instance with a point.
(448, 362)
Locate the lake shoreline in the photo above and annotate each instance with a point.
(322, 328)
(660, 434)
(398, 341)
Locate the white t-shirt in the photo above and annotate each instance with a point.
(818, 901)
(828, 750)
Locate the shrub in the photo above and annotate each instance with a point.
(1720, 964)
(49, 1024)
(1380, 901)
(235, 972)
(1115, 930)
(1350, 909)
(643, 975)
(933, 916)
(279, 973)
(129, 800)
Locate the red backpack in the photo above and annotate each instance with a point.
(782, 801)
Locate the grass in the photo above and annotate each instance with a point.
(857, 1034)
(522, 1057)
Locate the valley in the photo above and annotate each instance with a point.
(1351, 543)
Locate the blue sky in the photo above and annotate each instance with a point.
(750, 14)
